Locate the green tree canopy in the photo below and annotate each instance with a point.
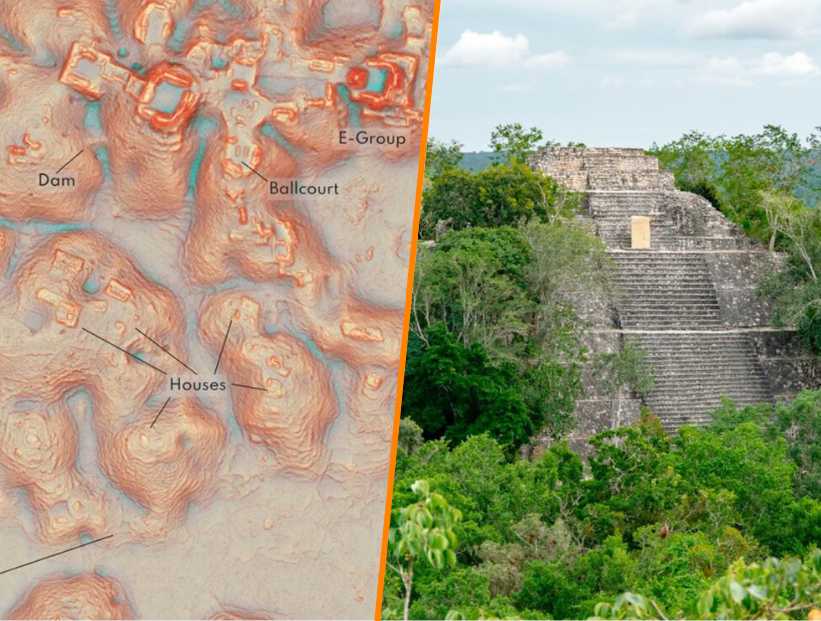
(441, 156)
(423, 533)
(660, 526)
(455, 391)
(505, 300)
(733, 171)
(514, 143)
(502, 194)
(769, 184)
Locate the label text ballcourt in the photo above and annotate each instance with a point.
(295, 188)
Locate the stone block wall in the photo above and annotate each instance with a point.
(736, 277)
(787, 365)
(583, 169)
(696, 219)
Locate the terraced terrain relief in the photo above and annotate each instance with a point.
(206, 217)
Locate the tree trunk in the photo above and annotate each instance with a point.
(407, 580)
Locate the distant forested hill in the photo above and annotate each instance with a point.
(813, 181)
(475, 161)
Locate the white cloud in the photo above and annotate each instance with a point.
(728, 65)
(653, 58)
(495, 49)
(798, 64)
(733, 71)
(726, 70)
(760, 19)
(548, 61)
(487, 48)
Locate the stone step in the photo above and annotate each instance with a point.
(685, 353)
(679, 312)
(657, 256)
(623, 220)
(713, 394)
(661, 260)
(672, 284)
(697, 384)
(623, 233)
(678, 402)
(655, 321)
(659, 311)
(694, 386)
(646, 265)
(725, 359)
(668, 316)
(702, 409)
(648, 290)
(693, 372)
(736, 360)
(679, 285)
(664, 272)
(691, 303)
(603, 212)
(669, 281)
(694, 342)
(676, 405)
(650, 309)
(664, 324)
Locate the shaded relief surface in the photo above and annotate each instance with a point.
(206, 214)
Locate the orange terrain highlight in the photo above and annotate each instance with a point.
(206, 233)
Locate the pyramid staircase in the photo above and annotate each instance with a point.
(693, 371)
(666, 301)
(612, 212)
(667, 305)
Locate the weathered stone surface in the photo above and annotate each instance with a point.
(582, 169)
(689, 301)
(786, 363)
(736, 278)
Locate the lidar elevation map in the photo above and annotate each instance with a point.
(206, 217)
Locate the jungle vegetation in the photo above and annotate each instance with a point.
(710, 523)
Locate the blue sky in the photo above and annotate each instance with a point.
(626, 72)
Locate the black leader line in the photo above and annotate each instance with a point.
(259, 174)
(43, 558)
(125, 351)
(162, 409)
(166, 351)
(222, 349)
(69, 162)
(251, 387)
